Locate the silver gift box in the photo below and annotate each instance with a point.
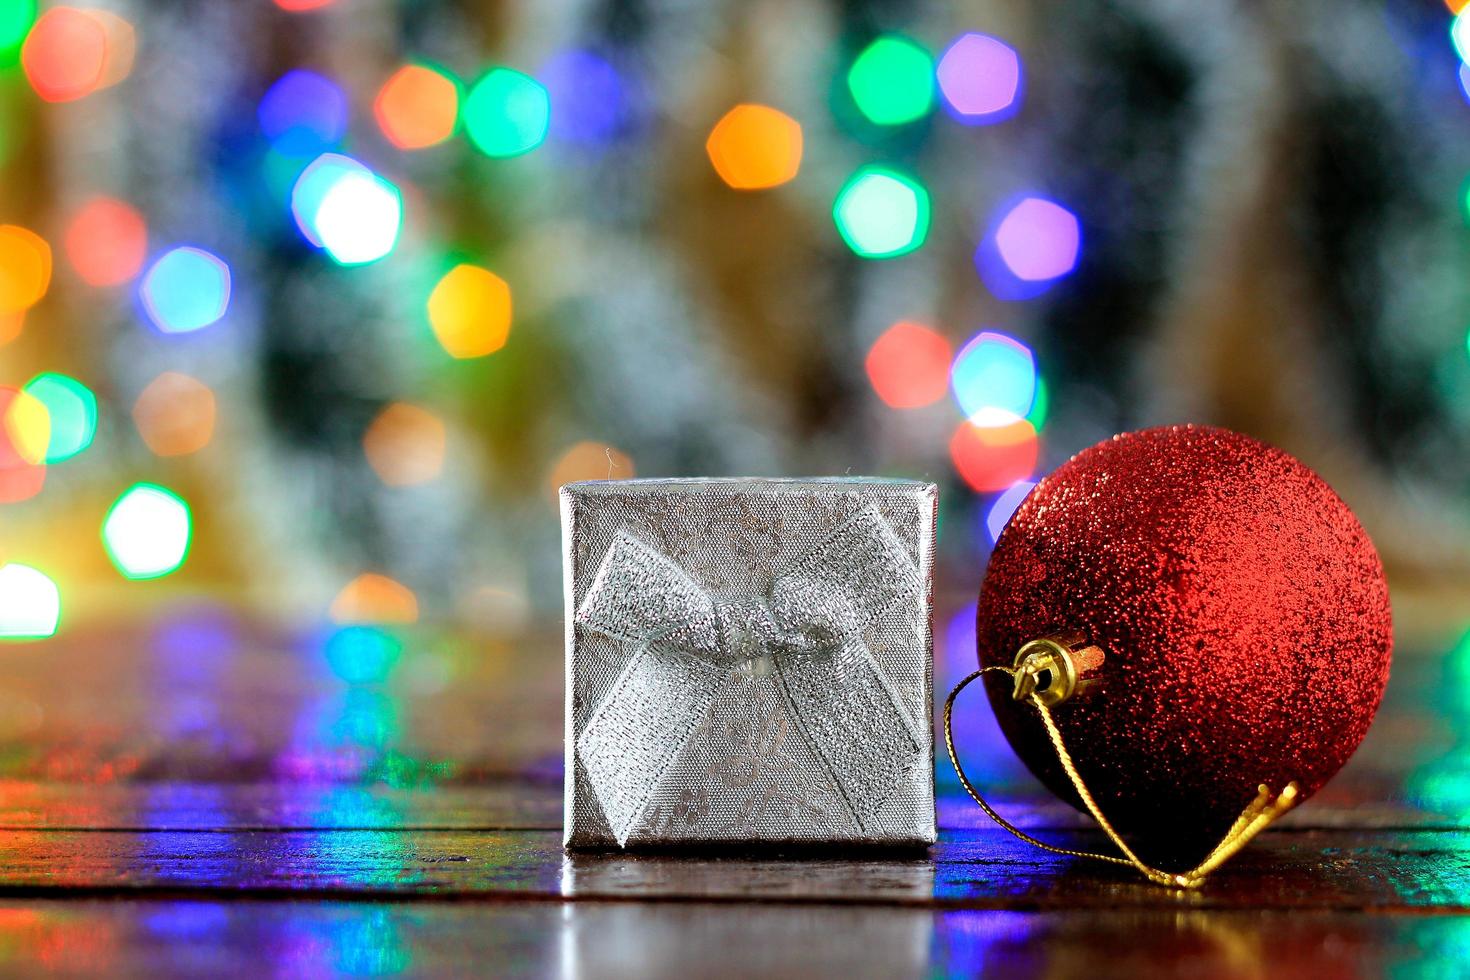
(748, 661)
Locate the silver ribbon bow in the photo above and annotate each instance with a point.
(809, 629)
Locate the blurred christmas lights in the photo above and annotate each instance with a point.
(992, 457)
(994, 379)
(589, 99)
(65, 54)
(25, 435)
(303, 113)
(344, 208)
(980, 79)
(362, 654)
(30, 603)
(405, 445)
(372, 598)
(16, 18)
(147, 532)
(11, 326)
(185, 289)
(470, 311)
(999, 514)
(754, 147)
(882, 213)
(1460, 34)
(908, 365)
(106, 241)
(892, 81)
(175, 414)
(25, 268)
(71, 409)
(507, 113)
(1035, 243)
(417, 107)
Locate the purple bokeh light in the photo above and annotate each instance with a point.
(980, 79)
(589, 98)
(1035, 242)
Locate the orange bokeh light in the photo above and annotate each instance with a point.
(106, 241)
(755, 146)
(908, 365)
(1456, 5)
(121, 46)
(371, 598)
(65, 54)
(589, 461)
(175, 414)
(417, 107)
(405, 445)
(992, 457)
(25, 268)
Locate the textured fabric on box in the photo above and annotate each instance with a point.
(748, 660)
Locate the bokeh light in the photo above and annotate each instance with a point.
(405, 445)
(999, 514)
(1035, 242)
(344, 208)
(980, 79)
(417, 107)
(186, 289)
(65, 54)
(16, 18)
(994, 379)
(373, 598)
(755, 146)
(25, 434)
(106, 241)
(881, 213)
(25, 268)
(362, 654)
(993, 457)
(589, 461)
(470, 311)
(303, 113)
(71, 409)
(892, 81)
(908, 365)
(119, 48)
(147, 532)
(507, 113)
(175, 414)
(30, 603)
(303, 6)
(1460, 34)
(589, 99)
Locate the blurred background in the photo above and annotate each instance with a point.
(308, 306)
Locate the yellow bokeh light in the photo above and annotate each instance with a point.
(755, 146)
(175, 414)
(27, 427)
(589, 461)
(25, 268)
(405, 445)
(470, 311)
(376, 599)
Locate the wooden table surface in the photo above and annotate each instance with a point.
(197, 795)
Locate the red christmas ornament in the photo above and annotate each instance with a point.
(1242, 617)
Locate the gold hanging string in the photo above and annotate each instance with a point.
(1262, 811)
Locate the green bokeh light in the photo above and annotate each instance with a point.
(507, 113)
(16, 18)
(882, 213)
(892, 81)
(1040, 405)
(73, 411)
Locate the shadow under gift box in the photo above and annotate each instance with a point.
(749, 661)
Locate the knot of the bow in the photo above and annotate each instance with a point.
(799, 616)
